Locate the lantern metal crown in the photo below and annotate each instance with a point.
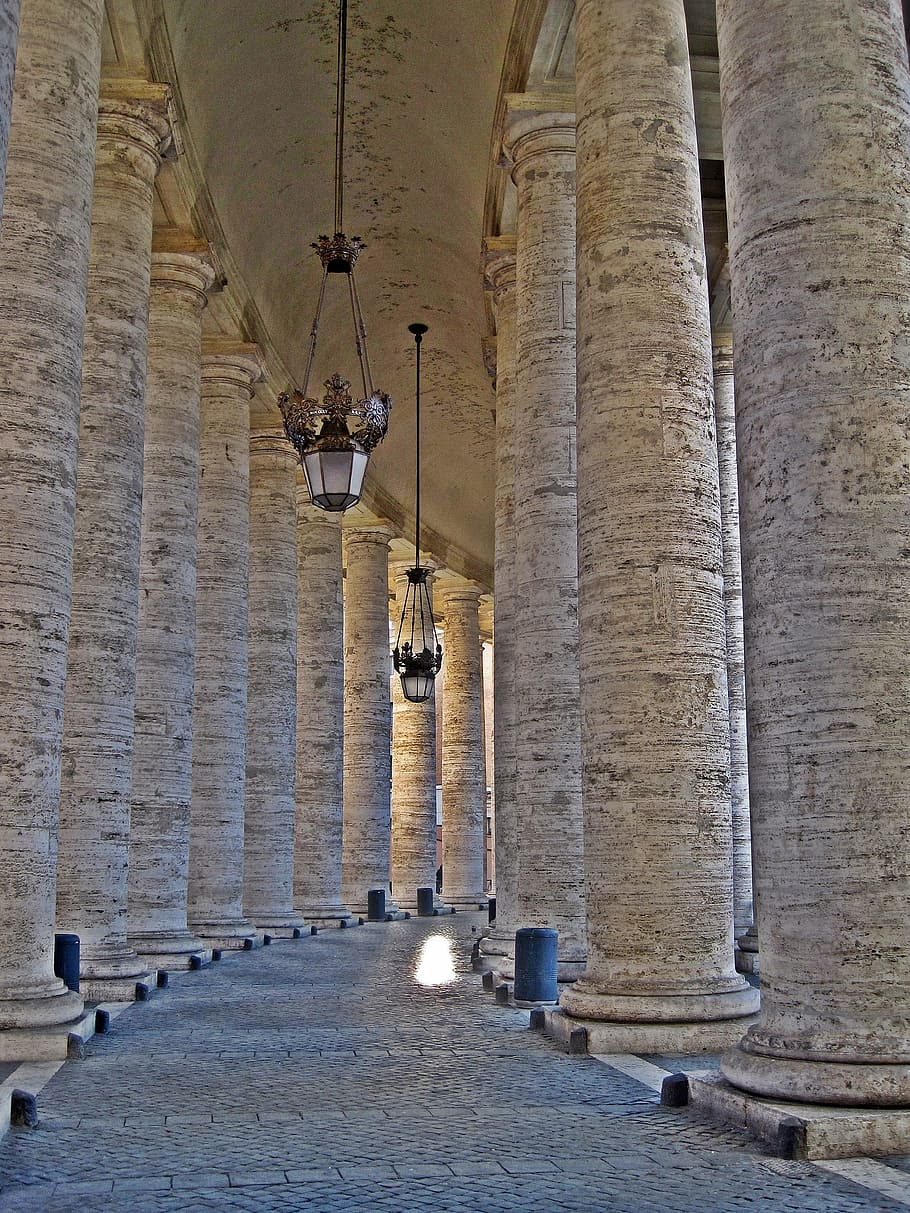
(417, 655)
(334, 437)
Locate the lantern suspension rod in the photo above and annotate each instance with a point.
(418, 330)
(339, 113)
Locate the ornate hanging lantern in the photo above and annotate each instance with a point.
(334, 438)
(417, 655)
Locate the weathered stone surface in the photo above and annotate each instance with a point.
(367, 715)
(215, 889)
(43, 268)
(9, 36)
(320, 714)
(500, 272)
(820, 259)
(413, 843)
(725, 416)
(550, 845)
(653, 663)
(94, 833)
(268, 863)
(182, 272)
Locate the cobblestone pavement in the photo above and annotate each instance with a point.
(320, 1075)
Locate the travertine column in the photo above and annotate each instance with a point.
(320, 714)
(215, 888)
(43, 267)
(268, 876)
(651, 608)
(819, 216)
(550, 873)
(367, 715)
(182, 272)
(725, 416)
(500, 272)
(9, 36)
(133, 131)
(463, 784)
(413, 847)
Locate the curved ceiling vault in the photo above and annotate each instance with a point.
(256, 79)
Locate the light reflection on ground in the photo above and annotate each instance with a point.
(435, 962)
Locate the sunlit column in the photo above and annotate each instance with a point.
(215, 890)
(44, 253)
(182, 272)
(133, 132)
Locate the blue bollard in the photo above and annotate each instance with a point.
(66, 960)
(535, 965)
(376, 905)
(425, 903)
(491, 909)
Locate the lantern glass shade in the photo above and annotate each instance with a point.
(417, 656)
(335, 478)
(417, 685)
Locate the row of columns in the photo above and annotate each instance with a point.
(670, 642)
(172, 667)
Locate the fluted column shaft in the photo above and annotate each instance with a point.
(367, 716)
(320, 714)
(819, 220)
(43, 267)
(500, 271)
(725, 415)
(133, 129)
(463, 783)
(215, 887)
(163, 740)
(550, 876)
(413, 844)
(651, 609)
(9, 37)
(268, 877)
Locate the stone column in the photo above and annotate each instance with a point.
(550, 875)
(43, 267)
(413, 847)
(819, 217)
(182, 272)
(463, 783)
(500, 274)
(9, 36)
(367, 716)
(725, 416)
(215, 888)
(268, 876)
(651, 608)
(133, 132)
(320, 715)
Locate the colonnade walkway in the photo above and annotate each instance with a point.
(320, 1074)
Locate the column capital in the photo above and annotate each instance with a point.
(137, 113)
(537, 125)
(499, 262)
(377, 533)
(466, 593)
(272, 442)
(182, 262)
(398, 569)
(722, 351)
(230, 367)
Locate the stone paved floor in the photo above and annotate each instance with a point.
(319, 1075)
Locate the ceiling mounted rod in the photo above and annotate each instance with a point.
(339, 113)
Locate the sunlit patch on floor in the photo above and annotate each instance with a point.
(435, 962)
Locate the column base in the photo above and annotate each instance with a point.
(47, 1004)
(497, 943)
(281, 926)
(329, 914)
(829, 1082)
(578, 1035)
(174, 950)
(229, 934)
(745, 953)
(795, 1130)
(473, 901)
(47, 1043)
(119, 989)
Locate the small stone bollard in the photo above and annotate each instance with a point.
(535, 965)
(66, 960)
(491, 909)
(376, 905)
(425, 903)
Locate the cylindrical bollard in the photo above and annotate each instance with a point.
(535, 965)
(66, 960)
(491, 909)
(376, 905)
(425, 903)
